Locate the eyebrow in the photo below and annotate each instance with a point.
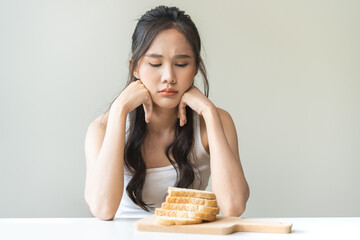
(153, 55)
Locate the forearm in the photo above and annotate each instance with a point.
(228, 180)
(105, 184)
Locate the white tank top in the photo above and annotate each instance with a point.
(158, 180)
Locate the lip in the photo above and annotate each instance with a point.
(168, 92)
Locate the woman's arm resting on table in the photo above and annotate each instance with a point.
(227, 176)
(104, 150)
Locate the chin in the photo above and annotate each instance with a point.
(166, 104)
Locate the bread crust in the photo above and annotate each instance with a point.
(187, 206)
(190, 207)
(185, 214)
(191, 200)
(163, 220)
(183, 192)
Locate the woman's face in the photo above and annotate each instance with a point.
(168, 68)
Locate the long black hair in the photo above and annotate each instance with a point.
(148, 27)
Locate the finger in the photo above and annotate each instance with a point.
(182, 112)
(148, 108)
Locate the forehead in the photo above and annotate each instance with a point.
(170, 42)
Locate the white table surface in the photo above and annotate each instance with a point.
(123, 228)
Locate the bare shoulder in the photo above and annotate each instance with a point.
(229, 130)
(226, 121)
(100, 122)
(224, 115)
(94, 138)
(96, 131)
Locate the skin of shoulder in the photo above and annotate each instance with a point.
(101, 121)
(229, 130)
(225, 117)
(228, 126)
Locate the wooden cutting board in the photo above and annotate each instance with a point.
(221, 226)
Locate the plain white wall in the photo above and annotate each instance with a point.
(287, 71)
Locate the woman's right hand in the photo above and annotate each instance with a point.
(133, 96)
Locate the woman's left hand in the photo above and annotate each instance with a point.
(196, 100)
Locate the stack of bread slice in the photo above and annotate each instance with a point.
(187, 206)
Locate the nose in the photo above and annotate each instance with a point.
(168, 75)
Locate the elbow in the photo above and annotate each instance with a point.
(236, 208)
(105, 216)
(101, 212)
(234, 211)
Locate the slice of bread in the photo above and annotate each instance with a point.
(187, 206)
(185, 214)
(184, 192)
(163, 220)
(190, 200)
(190, 207)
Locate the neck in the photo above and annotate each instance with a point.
(162, 121)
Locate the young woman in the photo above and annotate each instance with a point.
(161, 130)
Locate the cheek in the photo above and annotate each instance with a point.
(148, 77)
(188, 78)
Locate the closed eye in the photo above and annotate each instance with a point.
(181, 65)
(158, 65)
(155, 65)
